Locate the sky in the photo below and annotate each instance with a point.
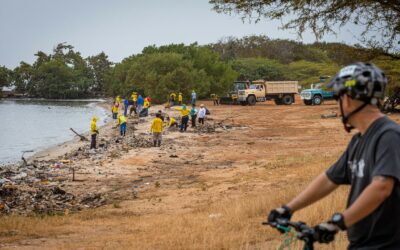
(121, 28)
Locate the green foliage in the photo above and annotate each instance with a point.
(23, 78)
(63, 74)
(100, 68)
(309, 72)
(392, 70)
(174, 68)
(56, 79)
(258, 68)
(5, 76)
(283, 51)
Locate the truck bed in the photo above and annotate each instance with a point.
(281, 87)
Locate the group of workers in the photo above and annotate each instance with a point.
(157, 124)
(140, 106)
(136, 104)
(191, 114)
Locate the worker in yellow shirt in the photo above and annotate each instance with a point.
(156, 129)
(93, 132)
(114, 111)
(146, 103)
(145, 110)
(180, 98)
(134, 97)
(216, 99)
(122, 124)
(171, 122)
(184, 117)
(134, 100)
(118, 101)
(172, 98)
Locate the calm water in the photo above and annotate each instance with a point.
(36, 125)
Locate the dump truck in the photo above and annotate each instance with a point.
(232, 95)
(282, 92)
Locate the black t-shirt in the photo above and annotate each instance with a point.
(376, 153)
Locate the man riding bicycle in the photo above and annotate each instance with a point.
(370, 164)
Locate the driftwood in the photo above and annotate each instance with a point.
(80, 136)
(24, 161)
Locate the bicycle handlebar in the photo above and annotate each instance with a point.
(303, 232)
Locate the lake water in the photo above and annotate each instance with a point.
(36, 124)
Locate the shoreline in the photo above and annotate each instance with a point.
(63, 148)
(52, 152)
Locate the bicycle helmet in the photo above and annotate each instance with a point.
(361, 81)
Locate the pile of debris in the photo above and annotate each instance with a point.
(35, 187)
(215, 127)
(139, 141)
(40, 199)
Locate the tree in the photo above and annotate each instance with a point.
(100, 68)
(63, 74)
(23, 78)
(159, 70)
(5, 76)
(380, 18)
(258, 68)
(284, 51)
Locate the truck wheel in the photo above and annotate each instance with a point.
(251, 100)
(317, 100)
(287, 100)
(308, 102)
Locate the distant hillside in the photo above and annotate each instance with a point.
(255, 57)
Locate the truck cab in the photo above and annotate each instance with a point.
(258, 91)
(254, 93)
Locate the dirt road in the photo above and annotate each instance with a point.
(199, 190)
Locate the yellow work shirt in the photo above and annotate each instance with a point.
(146, 104)
(172, 121)
(114, 109)
(122, 119)
(134, 97)
(180, 98)
(93, 128)
(157, 125)
(183, 112)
